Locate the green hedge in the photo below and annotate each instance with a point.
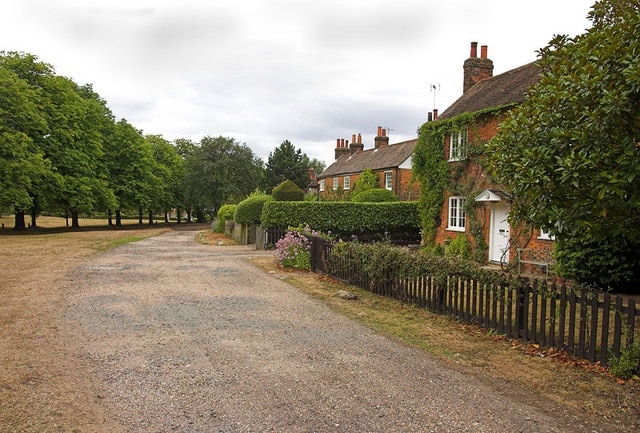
(225, 213)
(288, 191)
(375, 195)
(249, 210)
(343, 217)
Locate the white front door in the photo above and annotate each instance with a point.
(499, 233)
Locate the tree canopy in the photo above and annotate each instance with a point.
(570, 154)
(288, 163)
(62, 152)
(219, 170)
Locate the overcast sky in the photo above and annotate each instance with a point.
(264, 71)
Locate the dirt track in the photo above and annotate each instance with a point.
(167, 335)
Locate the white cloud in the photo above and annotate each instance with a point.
(265, 71)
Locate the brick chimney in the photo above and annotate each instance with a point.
(342, 147)
(356, 146)
(381, 139)
(476, 68)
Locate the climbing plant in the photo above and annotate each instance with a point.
(437, 175)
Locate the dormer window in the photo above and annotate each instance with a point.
(458, 145)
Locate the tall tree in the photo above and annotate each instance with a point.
(74, 146)
(287, 163)
(217, 170)
(571, 152)
(23, 168)
(170, 172)
(131, 170)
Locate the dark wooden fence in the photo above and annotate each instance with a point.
(587, 324)
(273, 235)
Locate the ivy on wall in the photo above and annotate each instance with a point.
(437, 175)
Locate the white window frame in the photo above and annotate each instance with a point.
(546, 235)
(456, 218)
(336, 183)
(346, 182)
(458, 145)
(321, 184)
(388, 180)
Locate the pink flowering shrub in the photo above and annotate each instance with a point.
(294, 251)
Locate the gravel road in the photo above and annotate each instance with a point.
(185, 337)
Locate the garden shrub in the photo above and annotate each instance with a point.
(287, 191)
(459, 247)
(375, 195)
(380, 264)
(293, 251)
(249, 210)
(368, 179)
(225, 213)
(605, 263)
(626, 365)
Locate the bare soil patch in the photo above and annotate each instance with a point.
(42, 378)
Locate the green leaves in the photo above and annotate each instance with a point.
(577, 161)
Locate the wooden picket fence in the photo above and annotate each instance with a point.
(586, 324)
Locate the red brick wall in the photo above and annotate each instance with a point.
(481, 132)
(401, 185)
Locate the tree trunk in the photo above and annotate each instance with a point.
(140, 215)
(118, 218)
(166, 217)
(75, 224)
(189, 215)
(19, 221)
(200, 218)
(178, 215)
(34, 215)
(150, 217)
(110, 221)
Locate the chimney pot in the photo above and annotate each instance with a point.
(435, 114)
(379, 131)
(474, 49)
(359, 138)
(337, 142)
(429, 117)
(353, 138)
(483, 52)
(384, 132)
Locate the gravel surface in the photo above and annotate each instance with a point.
(185, 337)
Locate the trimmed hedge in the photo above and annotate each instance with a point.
(249, 210)
(343, 217)
(225, 213)
(288, 191)
(375, 195)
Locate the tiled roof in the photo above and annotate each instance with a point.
(505, 89)
(385, 157)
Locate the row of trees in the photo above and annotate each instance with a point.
(63, 152)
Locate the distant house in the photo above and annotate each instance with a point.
(472, 120)
(391, 163)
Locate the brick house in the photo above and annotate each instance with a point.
(390, 162)
(474, 119)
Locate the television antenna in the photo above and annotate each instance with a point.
(434, 88)
(388, 131)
